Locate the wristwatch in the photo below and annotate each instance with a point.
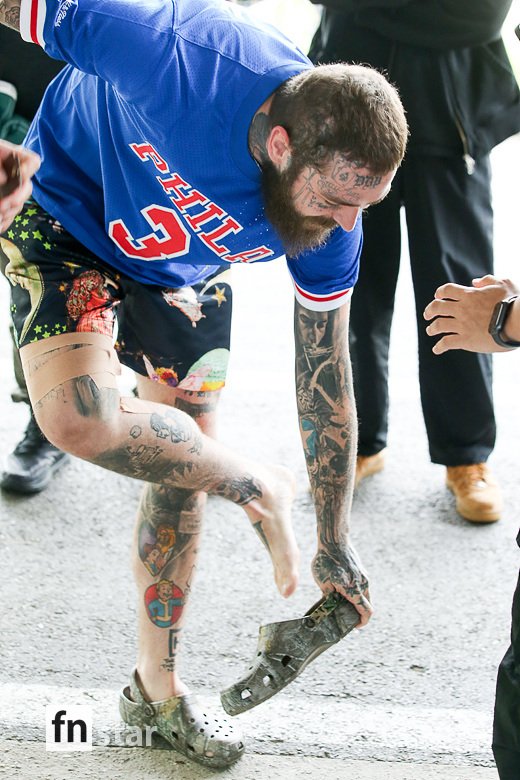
(498, 321)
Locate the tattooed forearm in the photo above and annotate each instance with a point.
(258, 134)
(10, 13)
(327, 414)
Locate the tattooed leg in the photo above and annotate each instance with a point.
(166, 542)
(157, 443)
(165, 553)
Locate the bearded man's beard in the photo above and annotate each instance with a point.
(297, 232)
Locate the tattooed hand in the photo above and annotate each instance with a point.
(17, 165)
(339, 569)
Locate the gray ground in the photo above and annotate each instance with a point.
(417, 685)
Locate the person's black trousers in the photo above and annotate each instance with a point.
(450, 232)
(506, 724)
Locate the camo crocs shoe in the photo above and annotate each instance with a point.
(185, 724)
(286, 648)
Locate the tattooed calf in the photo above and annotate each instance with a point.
(164, 603)
(169, 663)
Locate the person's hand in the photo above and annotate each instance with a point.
(17, 166)
(463, 314)
(339, 569)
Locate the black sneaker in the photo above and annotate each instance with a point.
(32, 463)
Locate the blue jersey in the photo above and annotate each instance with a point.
(144, 139)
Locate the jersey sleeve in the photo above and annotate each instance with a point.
(323, 279)
(120, 41)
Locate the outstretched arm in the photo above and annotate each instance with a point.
(10, 13)
(328, 427)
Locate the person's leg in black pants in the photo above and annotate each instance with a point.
(506, 724)
(450, 228)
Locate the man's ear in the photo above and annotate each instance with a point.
(279, 147)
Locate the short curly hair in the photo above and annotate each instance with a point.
(350, 109)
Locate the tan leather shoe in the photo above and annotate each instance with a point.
(476, 491)
(366, 465)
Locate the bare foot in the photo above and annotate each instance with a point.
(271, 518)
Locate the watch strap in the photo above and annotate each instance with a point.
(498, 321)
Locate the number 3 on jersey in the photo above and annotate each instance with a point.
(169, 237)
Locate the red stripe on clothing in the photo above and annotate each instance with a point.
(34, 22)
(321, 298)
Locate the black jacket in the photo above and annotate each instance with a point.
(446, 58)
(28, 68)
(437, 24)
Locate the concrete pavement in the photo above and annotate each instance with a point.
(32, 763)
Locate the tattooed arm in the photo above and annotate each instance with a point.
(17, 165)
(10, 13)
(328, 427)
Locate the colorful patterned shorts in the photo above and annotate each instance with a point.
(58, 286)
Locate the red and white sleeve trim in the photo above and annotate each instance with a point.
(321, 302)
(32, 18)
